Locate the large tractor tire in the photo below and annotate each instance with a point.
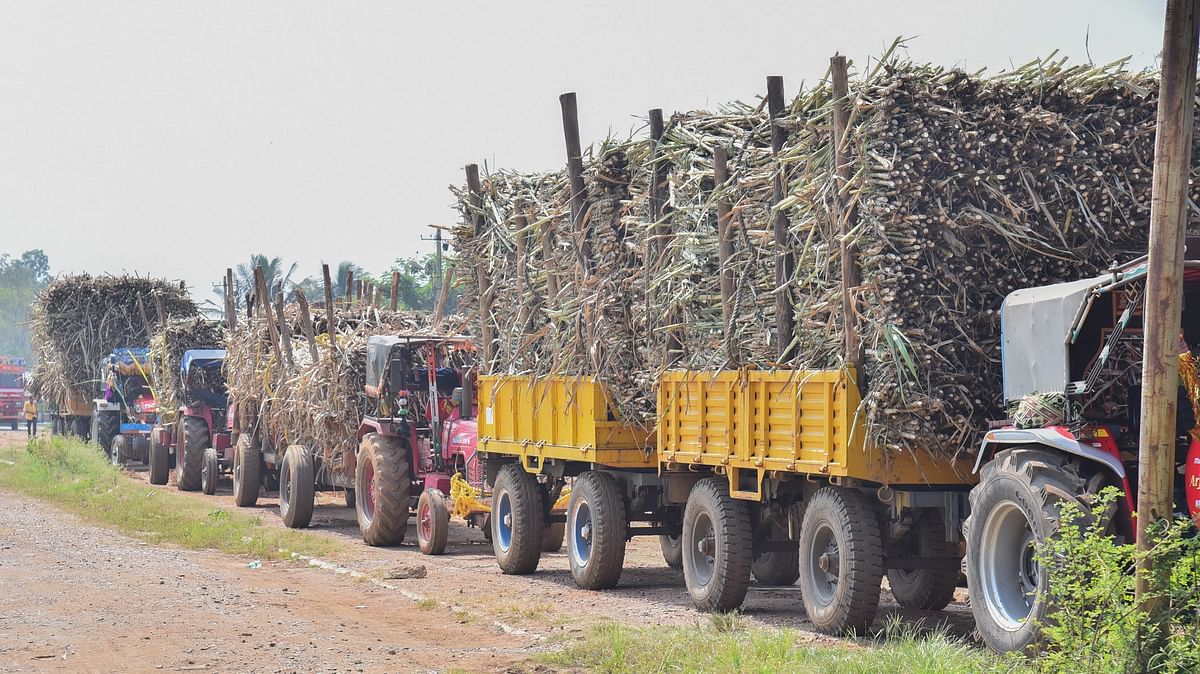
(210, 474)
(160, 461)
(247, 472)
(1015, 509)
(672, 550)
(925, 589)
(596, 526)
(716, 546)
(517, 520)
(779, 567)
(382, 484)
(841, 561)
(297, 487)
(105, 427)
(189, 464)
(433, 522)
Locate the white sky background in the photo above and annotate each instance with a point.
(176, 138)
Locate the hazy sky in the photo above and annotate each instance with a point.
(177, 138)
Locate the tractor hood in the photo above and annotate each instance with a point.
(1035, 332)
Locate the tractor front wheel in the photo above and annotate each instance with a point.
(247, 472)
(433, 522)
(297, 489)
(192, 440)
(118, 450)
(382, 485)
(517, 520)
(160, 461)
(105, 428)
(841, 561)
(716, 546)
(211, 472)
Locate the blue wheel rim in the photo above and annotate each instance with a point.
(581, 547)
(503, 519)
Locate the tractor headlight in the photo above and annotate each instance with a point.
(137, 408)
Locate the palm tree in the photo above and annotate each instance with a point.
(339, 282)
(277, 279)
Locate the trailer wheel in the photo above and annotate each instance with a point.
(105, 428)
(925, 589)
(382, 484)
(716, 546)
(553, 537)
(596, 523)
(841, 561)
(779, 567)
(193, 439)
(672, 550)
(247, 472)
(211, 472)
(297, 489)
(160, 461)
(348, 496)
(433, 522)
(79, 427)
(1015, 509)
(118, 450)
(517, 525)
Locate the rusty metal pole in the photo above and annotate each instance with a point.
(852, 340)
(570, 119)
(1164, 288)
(785, 261)
(725, 249)
(485, 288)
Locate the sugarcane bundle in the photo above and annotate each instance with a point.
(167, 347)
(318, 402)
(78, 320)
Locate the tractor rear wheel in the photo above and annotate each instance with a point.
(517, 520)
(841, 561)
(160, 461)
(297, 487)
(925, 589)
(193, 439)
(596, 522)
(716, 546)
(1015, 509)
(382, 484)
(672, 550)
(211, 472)
(247, 472)
(105, 427)
(433, 522)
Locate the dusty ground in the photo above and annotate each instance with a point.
(484, 620)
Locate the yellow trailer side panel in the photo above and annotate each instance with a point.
(564, 418)
(788, 421)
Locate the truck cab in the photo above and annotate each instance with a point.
(12, 390)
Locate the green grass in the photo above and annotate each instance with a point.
(726, 646)
(76, 477)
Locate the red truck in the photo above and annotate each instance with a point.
(12, 390)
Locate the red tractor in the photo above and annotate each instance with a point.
(420, 434)
(1072, 364)
(198, 443)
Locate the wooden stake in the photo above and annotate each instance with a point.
(160, 308)
(485, 287)
(330, 310)
(306, 323)
(521, 222)
(580, 229)
(725, 248)
(662, 230)
(395, 291)
(145, 317)
(785, 262)
(349, 288)
(260, 283)
(852, 340)
(1164, 291)
(285, 332)
(230, 300)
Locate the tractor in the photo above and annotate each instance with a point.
(418, 441)
(124, 415)
(1072, 364)
(197, 444)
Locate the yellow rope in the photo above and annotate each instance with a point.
(465, 499)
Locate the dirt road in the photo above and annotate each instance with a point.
(86, 598)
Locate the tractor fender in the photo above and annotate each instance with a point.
(1055, 437)
(368, 425)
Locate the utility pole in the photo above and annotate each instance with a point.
(437, 258)
(1164, 290)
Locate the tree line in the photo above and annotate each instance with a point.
(21, 279)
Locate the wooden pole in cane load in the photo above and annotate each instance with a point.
(306, 323)
(330, 310)
(725, 249)
(485, 288)
(852, 341)
(662, 230)
(285, 332)
(395, 291)
(785, 261)
(230, 301)
(348, 289)
(260, 284)
(579, 229)
(1164, 291)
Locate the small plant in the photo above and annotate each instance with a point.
(427, 604)
(1094, 624)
